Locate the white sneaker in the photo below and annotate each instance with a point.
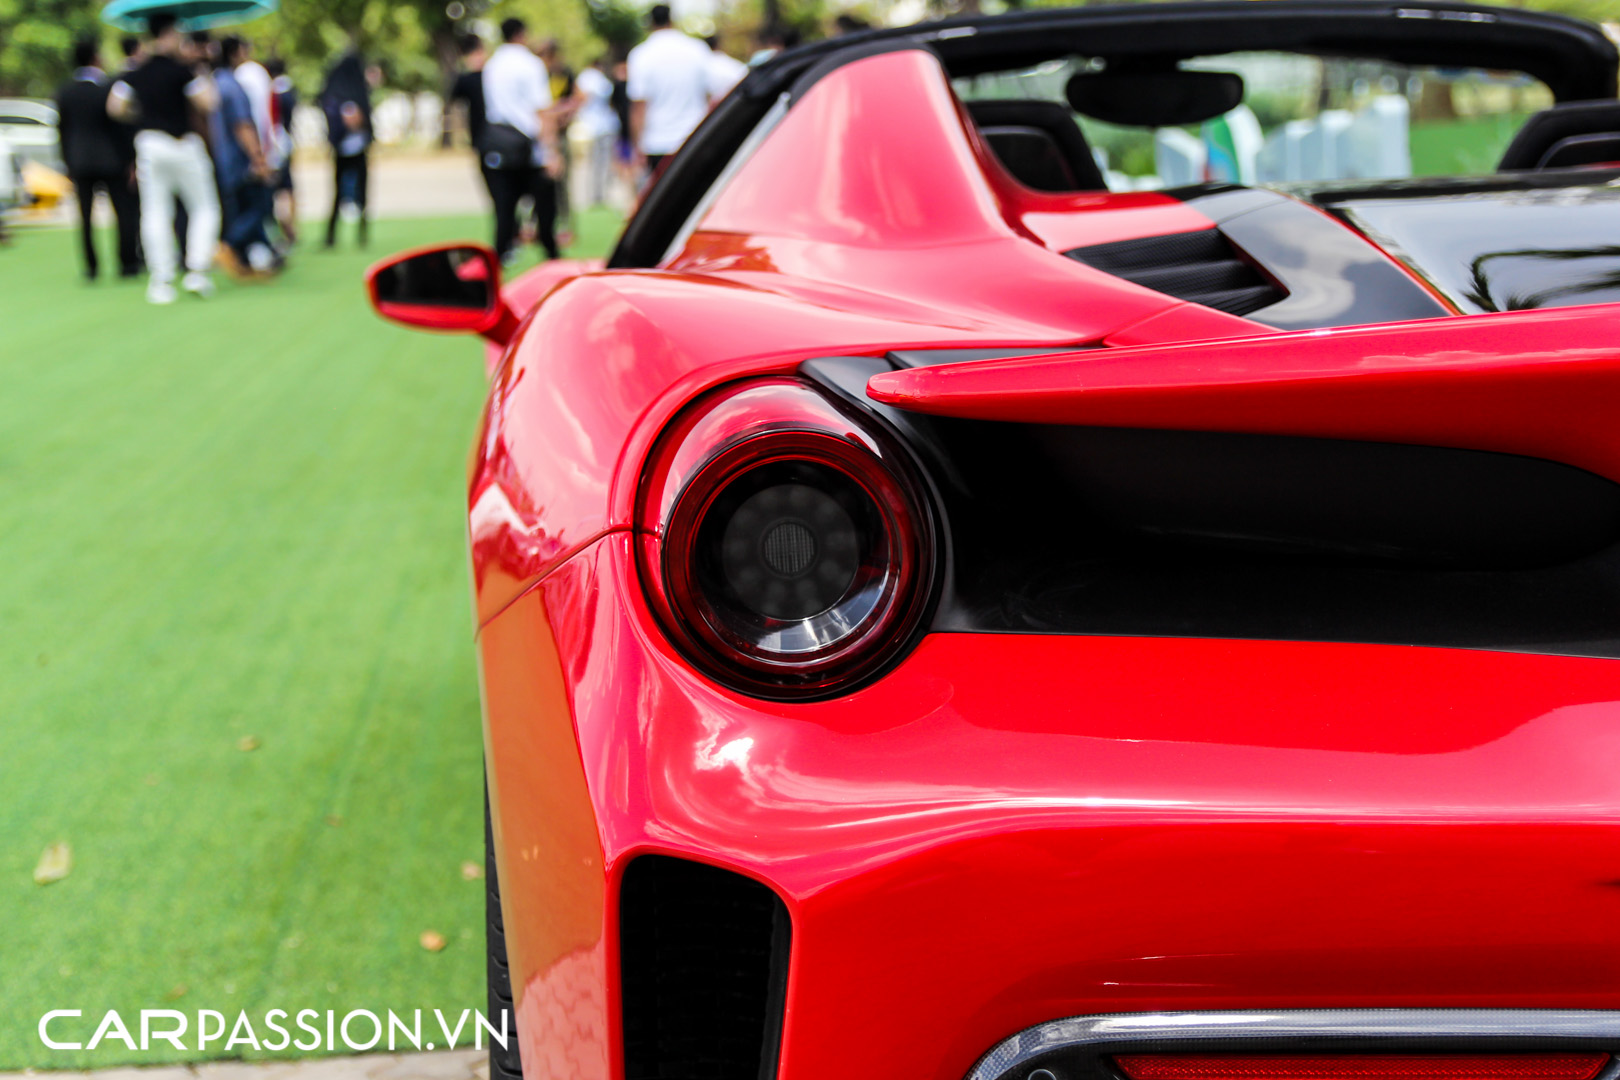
(198, 284)
(160, 292)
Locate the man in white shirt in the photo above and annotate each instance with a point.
(255, 82)
(725, 70)
(598, 126)
(517, 95)
(668, 88)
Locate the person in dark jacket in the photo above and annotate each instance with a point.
(346, 101)
(99, 154)
(468, 90)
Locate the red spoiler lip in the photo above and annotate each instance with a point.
(1540, 383)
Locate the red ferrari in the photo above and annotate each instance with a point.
(951, 608)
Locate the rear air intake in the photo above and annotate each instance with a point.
(703, 957)
(1200, 266)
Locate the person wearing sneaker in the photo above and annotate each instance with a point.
(167, 103)
(244, 170)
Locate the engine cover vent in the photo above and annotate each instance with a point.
(1202, 267)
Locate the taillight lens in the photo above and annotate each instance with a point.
(785, 544)
(1361, 1066)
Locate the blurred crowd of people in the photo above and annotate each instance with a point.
(529, 113)
(190, 142)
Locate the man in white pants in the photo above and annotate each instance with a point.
(163, 99)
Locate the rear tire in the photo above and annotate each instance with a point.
(503, 1064)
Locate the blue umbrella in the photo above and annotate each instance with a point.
(191, 14)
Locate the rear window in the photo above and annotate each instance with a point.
(1304, 118)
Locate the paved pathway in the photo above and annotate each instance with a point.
(403, 184)
(442, 1065)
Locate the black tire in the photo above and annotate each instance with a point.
(503, 1064)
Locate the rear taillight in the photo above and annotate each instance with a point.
(1361, 1066)
(785, 544)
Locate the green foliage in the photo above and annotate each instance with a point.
(615, 22)
(404, 36)
(1129, 149)
(36, 37)
(566, 20)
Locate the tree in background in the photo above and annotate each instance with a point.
(414, 40)
(619, 25)
(35, 39)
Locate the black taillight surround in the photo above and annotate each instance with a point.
(785, 544)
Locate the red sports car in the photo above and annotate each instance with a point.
(953, 607)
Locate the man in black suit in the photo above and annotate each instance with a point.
(100, 154)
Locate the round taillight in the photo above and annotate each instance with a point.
(785, 544)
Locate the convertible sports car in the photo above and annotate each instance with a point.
(943, 618)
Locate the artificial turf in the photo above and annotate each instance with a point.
(236, 664)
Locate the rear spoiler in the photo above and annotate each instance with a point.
(1542, 384)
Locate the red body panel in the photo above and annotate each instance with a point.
(1540, 383)
(1009, 829)
(609, 357)
(1004, 829)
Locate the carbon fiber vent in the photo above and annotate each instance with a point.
(1201, 266)
(703, 957)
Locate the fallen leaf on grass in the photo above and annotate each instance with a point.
(472, 871)
(432, 941)
(247, 742)
(176, 994)
(55, 863)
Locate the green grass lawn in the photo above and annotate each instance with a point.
(239, 519)
(1468, 146)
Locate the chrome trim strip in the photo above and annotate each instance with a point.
(1080, 1031)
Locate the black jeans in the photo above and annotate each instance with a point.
(506, 188)
(349, 179)
(126, 208)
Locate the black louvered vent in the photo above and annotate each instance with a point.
(1199, 266)
(703, 956)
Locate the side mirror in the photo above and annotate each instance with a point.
(453, 288)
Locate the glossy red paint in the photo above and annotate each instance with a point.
(524, 293)
(1004, 829)
(497, 322)
(859, 220)
(1009, 829)
(610, 357)
(1539, 383)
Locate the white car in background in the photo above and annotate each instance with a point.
(29, 127)
(28, 137)
(10, 177)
